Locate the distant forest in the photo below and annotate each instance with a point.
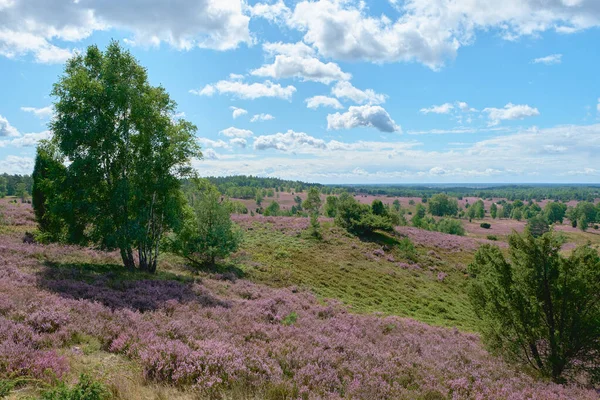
(241, 186)
(245, 187)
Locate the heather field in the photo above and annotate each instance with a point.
(284, 318)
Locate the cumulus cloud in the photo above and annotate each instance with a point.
(261, 117)
(205, 142)
(247, 91)
(510, 112)
(42, 113)
(6, 129)
(239, 142)
(345, 90)
(296, 60)
(17, 165)
(276, 12)
(236, 132)
(30, 27)
(441, 109)
(430, 31)
(323, 101)
(549, 60)
(237, 112)
(30, 139)
(307, 69)
(289, 141)
(356, 116)
(210, 154)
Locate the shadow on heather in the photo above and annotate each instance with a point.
(115, 287)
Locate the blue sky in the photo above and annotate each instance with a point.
(336, 91)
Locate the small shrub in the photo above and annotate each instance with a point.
(6, 386)
(290, 319)
(485, 225)
(85, 389)
(451, 226)
(492, 237)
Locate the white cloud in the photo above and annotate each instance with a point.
(598, 105)
(239, 142)
(518, 156)
(30, 139)
(430, 31)
(356, 116)
(261, 117)
(297, 49)
(441, 109)
(289, 141)
(510, 112)
(205, 142)
(42, 113)
(323, 101)
(296, 61)
(277, 12)
(345, 90)
(6, 129)
(237, 112)
(210, 154)
(232, 132)
(308, 69)
(17, 165)
(30, 27)
(549, 60)
(247, 91)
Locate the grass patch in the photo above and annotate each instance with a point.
(380, 273)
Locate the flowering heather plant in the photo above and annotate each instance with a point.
(442, 240)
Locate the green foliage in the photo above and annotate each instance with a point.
(48, 176)
(312, 204)
(290, 319)
(237, 207)
(208, 232)
(538, 306)
(407, 249)
(331, 204)
(476, 210)
(21, 191)
(85, 389)
(555, 212)
(442, 205)
(359, 219)
(272, 209)
(259, 197)
(494, 210)
(6, 386)
(126, 152)
(451, 226)
(396, 205)
(3, 187)
(485, 225)
(377, 207)
(537, 225)
(492, 237)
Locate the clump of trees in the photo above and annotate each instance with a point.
(208, 232)
(112, 174)
(442, 205)
(361, 219)
(540, 307)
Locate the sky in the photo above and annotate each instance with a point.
(336, 91)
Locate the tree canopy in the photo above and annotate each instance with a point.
(126, 154)
(540, 307)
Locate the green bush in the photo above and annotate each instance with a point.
(485, 225)
(492, 237)
(85, 389)
(451, 226)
